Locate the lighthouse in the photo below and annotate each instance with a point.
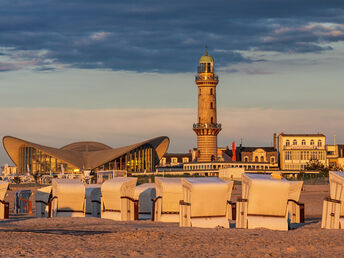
(206, 127)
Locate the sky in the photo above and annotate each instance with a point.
(120, 72)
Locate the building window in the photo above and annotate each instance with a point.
(185, 160)
(303, 142)
(261, 159)
(246, 159)
(212, 158)
(312, 142)
(200, 92)
(319, 143)
(256, 159)
(163, 161)
(287, 143)
(272, 160)
(294, 142)
(211, 105)
(212, 120)
(174, 160)
(211, 91)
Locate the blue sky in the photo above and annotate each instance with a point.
(121, 72)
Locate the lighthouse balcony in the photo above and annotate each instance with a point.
(207, 126)
(207, 77)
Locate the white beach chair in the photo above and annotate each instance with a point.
(145, 193)
(93, 200)
(264, 202)
(169, 192)
(333, 207)
(296, 210)
(205, 202)
(4, 206)
(68, 198)
(42, 199)
(117, 200)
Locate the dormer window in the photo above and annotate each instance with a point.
(319, 143)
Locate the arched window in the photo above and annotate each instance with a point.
(261, 159)
(256, 159)
(312, 142)
(272, 160)
(212, 120)
(287, 143)
(211, 105)
(303, 142)
(246, 159)
(319, 143)
(212, 158)
(294, 142)
(211, 91)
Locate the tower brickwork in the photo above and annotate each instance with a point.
(207, 127)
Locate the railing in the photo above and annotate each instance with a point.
(203, 78)
(302, 147)
(206, 126)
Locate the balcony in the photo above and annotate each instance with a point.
(303, 147)
(207, 77)
(207, 126)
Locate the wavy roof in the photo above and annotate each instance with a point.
(83, 155)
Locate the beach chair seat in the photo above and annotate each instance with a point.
(145, 193)
(68, 198)
(263, 203)
(205, 202)
(296, 210)
(93, 200)
(169, 192)
(42, 201)
(333, 206)
(4, 206)
(22, 202)
(117, 201)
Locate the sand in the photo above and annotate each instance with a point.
(27, 236)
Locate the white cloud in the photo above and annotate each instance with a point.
(117, 127)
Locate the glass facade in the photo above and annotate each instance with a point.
(140, 159)
(36, 161)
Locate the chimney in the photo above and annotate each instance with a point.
(275, 141)
(233, 152)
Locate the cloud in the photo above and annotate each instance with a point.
(168, 37)
(119, 127)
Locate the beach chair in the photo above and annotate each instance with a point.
(144, 194)
(263, 203)
(333, 206)
(117, 202)
(205, 203)
(169, 192)
(4, 206)
(42, 200)
(68, 198)
(296, 210)
(93, 201)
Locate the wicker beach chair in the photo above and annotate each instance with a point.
(264, 202)
(117, 202)
(145, 193)
(169, 192)
(68, 198)
(333, 206)
(4, 206)
(93, 200)
(205, 203)
(42, 200)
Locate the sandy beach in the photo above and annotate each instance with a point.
(23, 235)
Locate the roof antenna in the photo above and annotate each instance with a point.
(206, 49)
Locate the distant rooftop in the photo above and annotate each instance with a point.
(303, 134)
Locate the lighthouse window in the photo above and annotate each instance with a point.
(211, 91)
(211, 105)
(208, 70)
(212, 120)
